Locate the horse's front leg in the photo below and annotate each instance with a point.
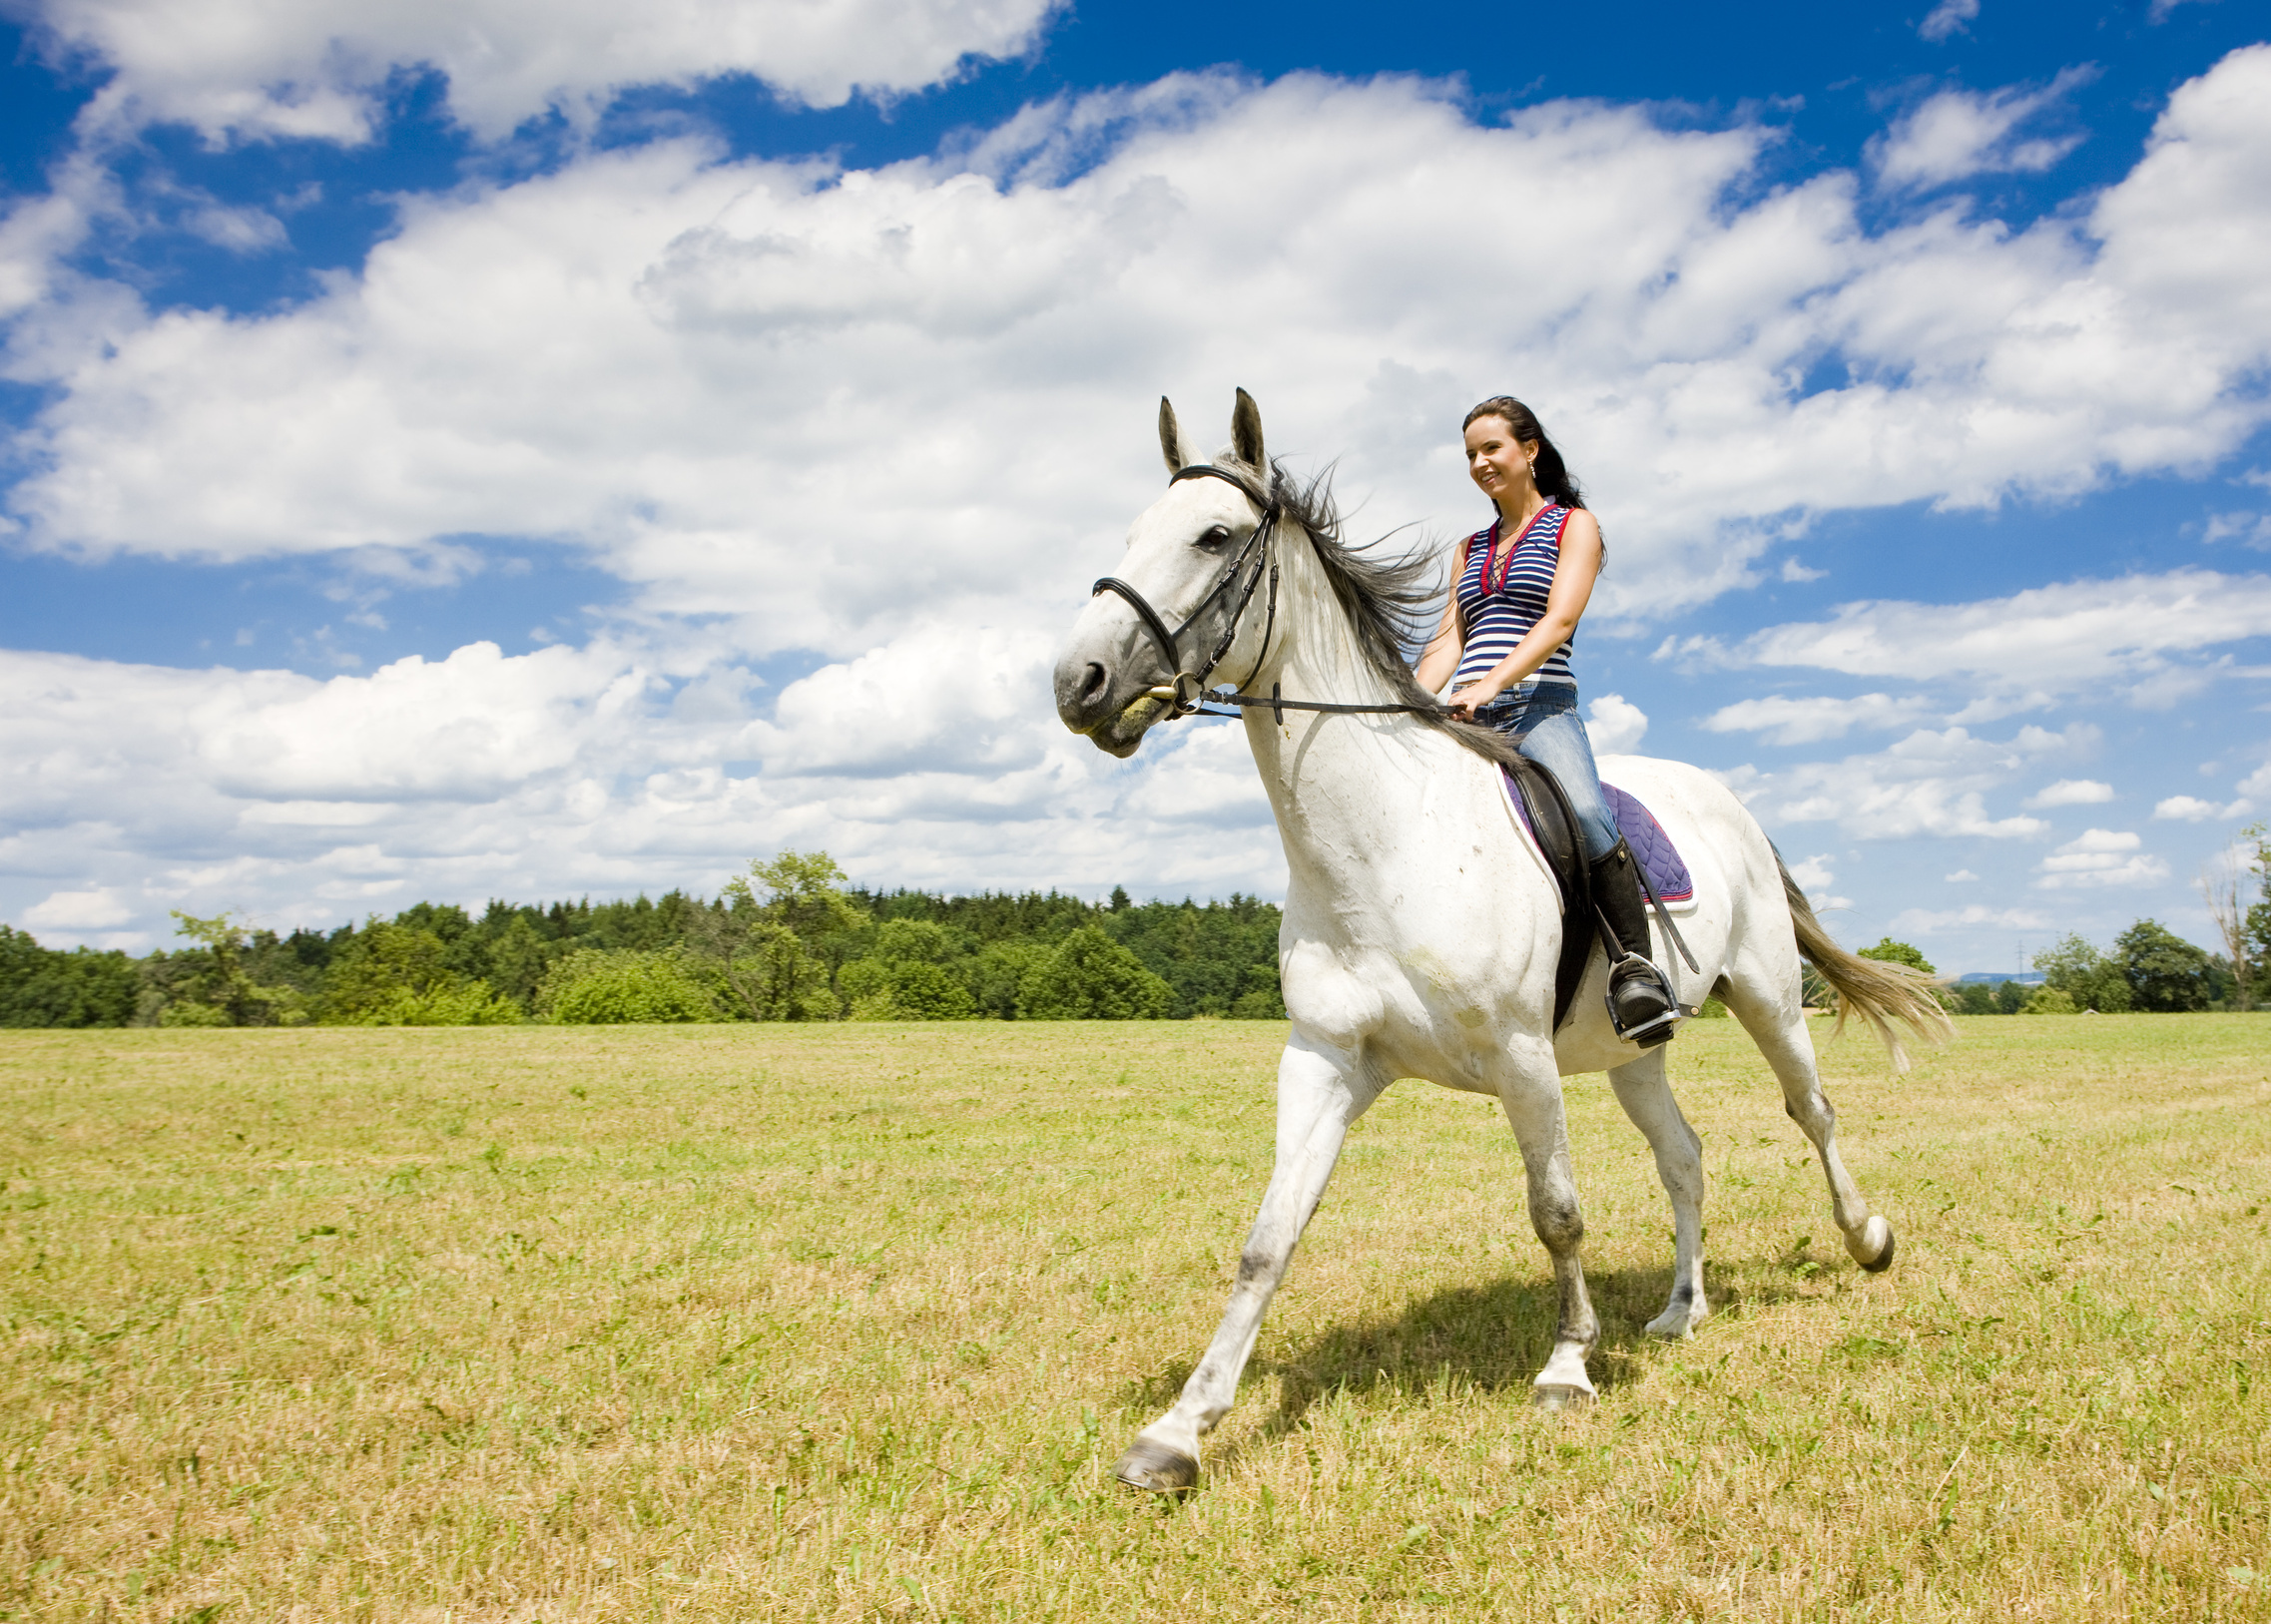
(1321, 1093)
(1530, 1092)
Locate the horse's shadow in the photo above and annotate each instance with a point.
(1490, 1338)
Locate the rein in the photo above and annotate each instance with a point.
(1187, 694)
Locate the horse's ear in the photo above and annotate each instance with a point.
(1245, 433)
(1172, 446)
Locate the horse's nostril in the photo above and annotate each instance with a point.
(1093, 689)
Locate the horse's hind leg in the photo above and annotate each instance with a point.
(1321, 1093)
(1646, 1096)
(1778, 1028)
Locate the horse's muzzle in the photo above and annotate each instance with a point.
(1113, 713)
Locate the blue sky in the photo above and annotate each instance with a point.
(538, 451)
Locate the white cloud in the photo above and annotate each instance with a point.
(2069, 793)
(317, 68)
(1792, 570)
(927, 762)
(2099, 857)
(677, 363)
(1929, 784)
(1814, 874)
(79, 911)
(2192, 809)
(1959, 876)
(2046, 639)
(1614, 725)
(1808, 721)
(693, 370)
(2249, 529)
(1949, 17)
(1961, 133)
(1931, 922)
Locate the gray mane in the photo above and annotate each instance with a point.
(1386, 599)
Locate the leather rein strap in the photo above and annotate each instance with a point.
(1187, 694)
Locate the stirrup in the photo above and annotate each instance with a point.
(1657, 1028)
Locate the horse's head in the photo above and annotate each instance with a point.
(1194, 560)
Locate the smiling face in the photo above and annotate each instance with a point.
(1499, 464)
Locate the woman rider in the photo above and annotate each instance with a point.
(1504, 645)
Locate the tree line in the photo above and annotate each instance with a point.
(2148, 969)
(792, 939)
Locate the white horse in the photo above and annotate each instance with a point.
(1421, 926)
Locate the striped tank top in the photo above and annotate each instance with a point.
(1501, 596)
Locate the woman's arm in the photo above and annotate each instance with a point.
(1564, 606)
(1441, 657)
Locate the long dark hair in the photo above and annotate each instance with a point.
(1554, 481)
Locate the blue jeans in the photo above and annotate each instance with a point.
(1544, 722)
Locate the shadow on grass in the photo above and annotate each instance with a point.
(1490, 1338)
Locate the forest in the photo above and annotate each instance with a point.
(793, 939)
(790, 940)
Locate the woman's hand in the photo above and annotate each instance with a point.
(1472, 698)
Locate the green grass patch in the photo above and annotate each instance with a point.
(850, 1321)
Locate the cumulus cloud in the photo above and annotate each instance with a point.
(1959, 133)
(136, 788)
(682, 366)
(317, 68)
(676, 362)
(2100, 857)
(2192, 809)
(1787, 721)
(78, 910)
(1932, 782)
(2137, 632)
(1616, 724)
(1931, 922)
(2069, 793)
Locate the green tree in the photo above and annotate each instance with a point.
(908, 976)
(783, 953)
(2165, 972)
(2090, 978)
(1093, 978)
(392, 974)
(624, 986)
(1890, 951)
(42, 988)
(2049, 1000)
(219, 981)
(997, 973)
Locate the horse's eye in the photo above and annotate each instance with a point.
(1216, 536)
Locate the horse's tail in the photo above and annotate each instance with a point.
(1878, 993)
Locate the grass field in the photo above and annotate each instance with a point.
(755, 1323)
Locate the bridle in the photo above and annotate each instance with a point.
(1187, 693)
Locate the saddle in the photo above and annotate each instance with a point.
(1545, 808)
(1553, 825)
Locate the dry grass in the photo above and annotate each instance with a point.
(772, 1322)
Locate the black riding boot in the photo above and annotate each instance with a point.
(1641, 1003)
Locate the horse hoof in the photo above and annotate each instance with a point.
(1873, 1247)
(1680, 1317)
(1156, 1468)
(1552, 1397)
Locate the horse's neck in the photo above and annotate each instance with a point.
(1343, 786)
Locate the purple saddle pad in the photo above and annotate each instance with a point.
(1659, 859)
